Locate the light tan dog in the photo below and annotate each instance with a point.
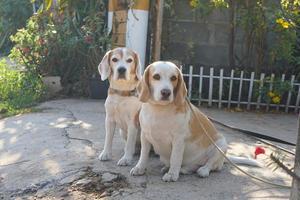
(121, 66)
(168, 124)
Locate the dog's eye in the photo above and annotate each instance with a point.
(129, 60)
(173, 78)
(156, 76)
(114, 60)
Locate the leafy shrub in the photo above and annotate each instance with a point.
(68, 42)
(18, 89)
(275, 95)
(13, 15)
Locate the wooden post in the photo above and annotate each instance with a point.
(230, 88)
(211, 85)
(295, 192)
(190, 82)
(261, 84)
(250, 91)
(220, 88)
(200, 85)
(290, 94)
(240, 89)
(159, 8)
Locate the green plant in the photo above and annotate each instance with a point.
(13, 15)
(269, 32)
(279, 88)
(18, 89)
(67, 41)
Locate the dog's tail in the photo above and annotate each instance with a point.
(244, 161)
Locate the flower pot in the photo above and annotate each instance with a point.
(98, 88)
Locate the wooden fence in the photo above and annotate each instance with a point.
(242, 90)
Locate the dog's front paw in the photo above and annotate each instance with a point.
(137, 171)
(185, 171)
(170, 177)
(104, 156)
(125, 161)
(203, 172)
(164, 169)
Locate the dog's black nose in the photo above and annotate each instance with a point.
(165, 93)
(121, 70)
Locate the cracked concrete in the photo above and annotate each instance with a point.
(41, 153)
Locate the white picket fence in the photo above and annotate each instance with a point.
(249, 101)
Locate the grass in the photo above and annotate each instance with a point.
(7, 111)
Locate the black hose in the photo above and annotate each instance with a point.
(259, 136)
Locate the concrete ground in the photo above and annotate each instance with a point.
(52, 154)
(279, 125)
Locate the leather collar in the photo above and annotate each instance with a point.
(123, 93)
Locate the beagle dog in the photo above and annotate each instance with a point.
(121, 66)
(169, 125)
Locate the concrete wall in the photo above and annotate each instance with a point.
(193, 39)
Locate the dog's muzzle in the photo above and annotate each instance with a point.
(165, 94)
(121, 71)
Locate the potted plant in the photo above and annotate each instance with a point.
(97, 87)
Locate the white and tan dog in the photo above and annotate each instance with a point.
(168, 124)
(121, 66)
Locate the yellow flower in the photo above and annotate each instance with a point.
(279, 21)
(194, 3)
(271, 94)
(276, 99)
(283, 23)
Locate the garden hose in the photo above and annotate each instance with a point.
(258, 136)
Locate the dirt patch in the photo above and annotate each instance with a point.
(90, 185)
(99, 184)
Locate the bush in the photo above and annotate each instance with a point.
(68, 42)
(18, 89)
(13, 15)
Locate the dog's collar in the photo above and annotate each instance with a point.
(123, 93)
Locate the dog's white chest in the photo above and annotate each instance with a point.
(122, 110)
(160, 129)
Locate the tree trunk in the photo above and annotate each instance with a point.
(159, 7)
(295, 192)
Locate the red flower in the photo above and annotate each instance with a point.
(26, 50)
(88, 39)
(41, 41)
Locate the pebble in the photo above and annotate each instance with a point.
(82, 182)
(108, 177)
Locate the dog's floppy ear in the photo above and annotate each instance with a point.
(180, 90)
(143, 87)
(138, 67)
(103, 67)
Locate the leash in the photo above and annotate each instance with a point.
(232, 163)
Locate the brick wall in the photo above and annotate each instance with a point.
(193, 39)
